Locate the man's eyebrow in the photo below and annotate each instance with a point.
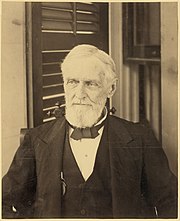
(93, 81)
(74, 79)
(90, 80)
(84, 80)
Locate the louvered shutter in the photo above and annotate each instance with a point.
(58, 27)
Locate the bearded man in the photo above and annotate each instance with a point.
(89, 164)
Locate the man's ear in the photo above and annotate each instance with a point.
(112, 89)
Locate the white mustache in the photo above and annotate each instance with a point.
(81, 104)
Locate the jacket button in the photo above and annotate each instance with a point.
(83, 212)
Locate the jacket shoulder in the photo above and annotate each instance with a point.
(45, 128)
(140, 130)
(129, 125)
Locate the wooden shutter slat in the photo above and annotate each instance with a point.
(87, 17)
(93, 39)
(87, 7)
(53, 57)
(55, 41)
(92, 27)
(56, 14)
(52, 79)
(52, 101)
(57, 25)
(60, 5)
(58, 89)
(46, 113)
(48, 69)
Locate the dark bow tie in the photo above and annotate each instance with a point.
(88, 132)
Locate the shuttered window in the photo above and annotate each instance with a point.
(56, 29)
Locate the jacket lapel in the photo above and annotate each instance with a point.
(50, 152)
(124, 172)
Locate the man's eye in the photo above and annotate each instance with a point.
(72, 82)
(91, 84)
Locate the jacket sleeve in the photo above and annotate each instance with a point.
(159, 183)
(19, 184)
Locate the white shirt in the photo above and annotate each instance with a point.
(85, 150)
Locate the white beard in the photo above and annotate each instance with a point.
(82, 116)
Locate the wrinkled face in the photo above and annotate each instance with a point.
(86, 91)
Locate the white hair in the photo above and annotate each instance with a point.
(85, 50)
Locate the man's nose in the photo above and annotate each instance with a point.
(80, 91)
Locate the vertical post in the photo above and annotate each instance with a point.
(115, 50)
(37, 64)
(29, 82)
(169, 81)
(74, 19)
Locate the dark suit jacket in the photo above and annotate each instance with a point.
(142, 183)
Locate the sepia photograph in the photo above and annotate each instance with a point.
(89, 110)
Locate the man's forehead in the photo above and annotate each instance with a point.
(84, 69)
(84, 76)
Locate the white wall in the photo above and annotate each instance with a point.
(126, 98)
(152, 96)
(169, 81)
(13, 78)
